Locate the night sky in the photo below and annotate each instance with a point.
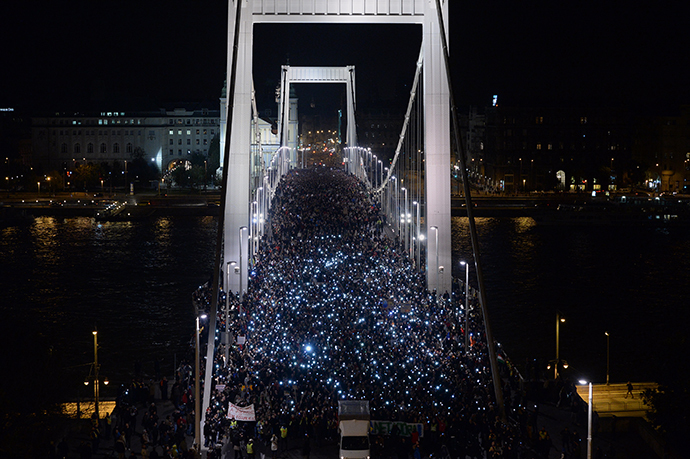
(79, 55)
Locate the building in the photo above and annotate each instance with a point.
(62, 141)
(662, 145)
(539, 149)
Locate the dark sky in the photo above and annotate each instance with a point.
(81, 55)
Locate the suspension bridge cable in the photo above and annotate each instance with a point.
(413, 92)
(495, 375)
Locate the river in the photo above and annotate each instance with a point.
(134, 280)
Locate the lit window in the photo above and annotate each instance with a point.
(171, 132)
(179, 132)
(538, 146)
(189, 132)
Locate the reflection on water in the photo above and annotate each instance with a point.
(626, 280)
(133, 280)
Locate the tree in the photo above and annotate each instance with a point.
(140, 168)
(214, 156)
(87, 176)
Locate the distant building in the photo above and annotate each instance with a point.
(265, 136)
(528, 149)
(662, 145)
(380, 131)
(62, 141)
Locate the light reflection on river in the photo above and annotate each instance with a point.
(629, 281)
(134, 280)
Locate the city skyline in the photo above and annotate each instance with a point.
(139, 54)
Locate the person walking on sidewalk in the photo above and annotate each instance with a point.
(630, 390)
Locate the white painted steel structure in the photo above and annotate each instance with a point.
(436, 108)
(292, 75)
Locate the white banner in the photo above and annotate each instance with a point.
(241, 413)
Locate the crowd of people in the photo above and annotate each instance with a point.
(335, 310)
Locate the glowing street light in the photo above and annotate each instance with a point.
(467, 305)
(96, 381)
(589, 420)
(607, 356)
(435, 228)
(197, 402)
(556, 362)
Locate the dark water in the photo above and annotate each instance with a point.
(134, 280)
(630, 281)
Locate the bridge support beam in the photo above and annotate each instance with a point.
(235, 246)
(436, 154)
(436, 116)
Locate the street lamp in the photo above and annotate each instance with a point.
(435, 228)
(416, 254)
(589, 420)
(467, 305)
(559, 319)
(96, 370)
(607, 356)
(227, 307)
(242, 228)
(402, 234)
(197, 402)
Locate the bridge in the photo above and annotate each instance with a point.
(413, 191)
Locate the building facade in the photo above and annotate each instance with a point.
(63, 141)
(541, 149)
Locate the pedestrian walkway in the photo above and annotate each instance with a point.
(614, 400)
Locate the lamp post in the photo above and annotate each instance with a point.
(402, 231)
(607, 357)
(227, 308)
(435, 228)
(96, 391)
(197, 401)
(467, 305)
(242, 228)
(559, 319)
(96, 379)
(589, 420)
(416, 235)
